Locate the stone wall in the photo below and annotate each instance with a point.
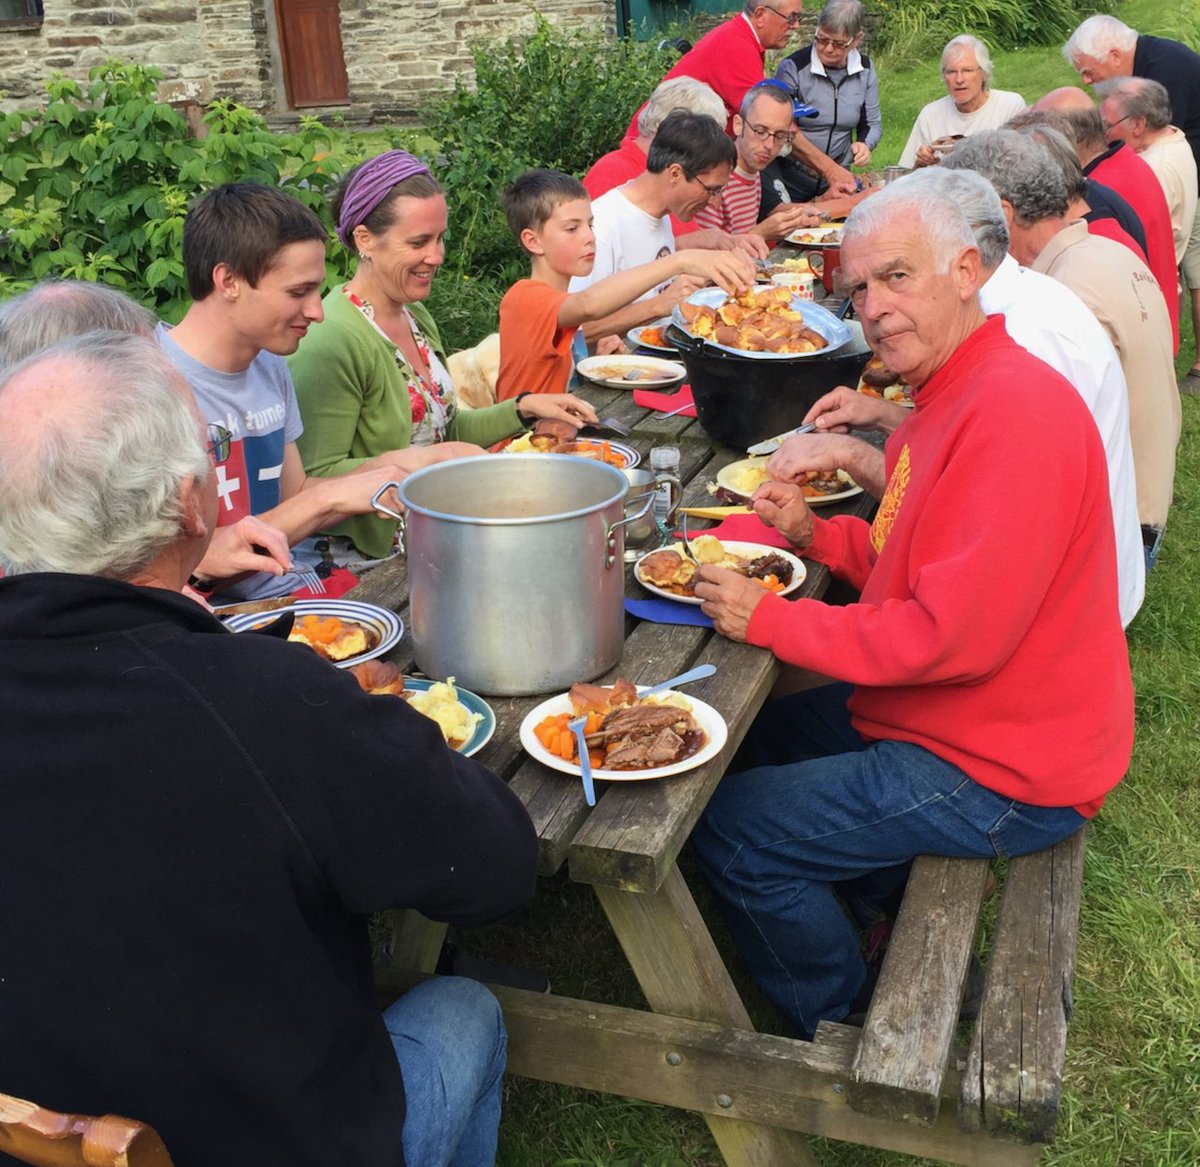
(395, 52)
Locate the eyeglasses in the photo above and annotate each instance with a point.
(220, 443)
(762, 133)
(961, 71)
(714, 192)
(793, 19)
(1110, 125)
(827, 42)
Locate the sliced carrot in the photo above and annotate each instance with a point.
(596, 757)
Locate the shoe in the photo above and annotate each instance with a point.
(453, 962)
(1190, 385)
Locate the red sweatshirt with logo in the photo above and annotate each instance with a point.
(987, 628)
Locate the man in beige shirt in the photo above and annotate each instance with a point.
(1118, 288)
(1137, 111)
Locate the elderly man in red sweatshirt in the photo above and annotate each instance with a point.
(991, 707)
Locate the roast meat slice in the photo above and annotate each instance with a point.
(637, 720)
(642, 753)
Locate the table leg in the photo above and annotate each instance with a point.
(416, 941)
(673, 956)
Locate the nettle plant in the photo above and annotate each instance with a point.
(102, 178)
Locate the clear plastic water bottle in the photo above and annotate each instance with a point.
(664, 462)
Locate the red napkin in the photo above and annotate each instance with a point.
(648, 399)
(746, 529)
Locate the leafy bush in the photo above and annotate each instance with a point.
(101, 181)
(552, 98)
(916, 28)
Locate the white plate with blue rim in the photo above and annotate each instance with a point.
(382, 626)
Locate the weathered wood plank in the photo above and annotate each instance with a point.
(906, 1043)
(725, 1073)
(1013, 1081)
(416, 941)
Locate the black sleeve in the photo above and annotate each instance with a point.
(391, 815)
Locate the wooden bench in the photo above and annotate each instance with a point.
(907, 1064)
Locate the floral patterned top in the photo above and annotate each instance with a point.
(432, 398)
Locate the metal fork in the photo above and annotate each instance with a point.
(683, 531)
(611, 423)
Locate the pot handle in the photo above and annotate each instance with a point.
(378, 504)
(610, 556)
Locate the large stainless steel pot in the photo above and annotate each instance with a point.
(516, 577)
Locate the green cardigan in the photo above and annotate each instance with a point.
(354, 402)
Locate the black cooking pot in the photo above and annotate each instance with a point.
(741, 400)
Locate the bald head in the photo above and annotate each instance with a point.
(1067, 97)
(98, 436)
(1084, 117)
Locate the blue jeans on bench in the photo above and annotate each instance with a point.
(824, 815)
(449, 1037)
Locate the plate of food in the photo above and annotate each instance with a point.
(652, 335)
(771, 323)
(627, 371)
(467, 721)
(669, 573)
(629, 740)
(817, 236)
(739, 481)
(943, 145)
(877, 380)
(598, 449)
(344, 632)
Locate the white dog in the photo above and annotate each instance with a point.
(474, 372)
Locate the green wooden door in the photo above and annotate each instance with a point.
(649, 19)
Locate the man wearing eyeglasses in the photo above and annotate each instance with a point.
(761, 130)
(730, 57)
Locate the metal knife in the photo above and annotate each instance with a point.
(772, 444)
(249, 607)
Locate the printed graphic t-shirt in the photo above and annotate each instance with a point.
(258, 407)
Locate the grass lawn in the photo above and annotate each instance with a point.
(1132, 1079)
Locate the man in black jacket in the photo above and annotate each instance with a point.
(199, 822)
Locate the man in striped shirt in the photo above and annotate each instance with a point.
(762, 129)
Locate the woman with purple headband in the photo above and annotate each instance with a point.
(371, 377)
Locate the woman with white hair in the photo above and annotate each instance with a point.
(970, 104)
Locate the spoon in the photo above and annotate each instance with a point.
(673, 412)
(691, 675)
(585, 762)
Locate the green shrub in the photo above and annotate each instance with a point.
(916, 28)
(101, 180)
(552, 98)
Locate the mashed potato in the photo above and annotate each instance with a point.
(440, 702)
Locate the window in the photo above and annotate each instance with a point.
(20, 11)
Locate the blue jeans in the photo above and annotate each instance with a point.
(781, 842)
(449, 1037)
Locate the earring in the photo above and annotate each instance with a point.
(364, 257)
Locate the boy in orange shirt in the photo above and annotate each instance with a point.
(550, 213)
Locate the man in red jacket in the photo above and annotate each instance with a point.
(1117, 166)
(992, 707)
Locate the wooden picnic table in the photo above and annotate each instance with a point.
(697, 1049)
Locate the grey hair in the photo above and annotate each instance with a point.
(1061, 149)
(771, 90)
(1056, 119)
(680, 93)
(95, 490)
(983, 58)
(55, 309)
(974, 196)
(844, 16)
(1098, 35)
(1020, 169)
(1139, 97)
(947, 231)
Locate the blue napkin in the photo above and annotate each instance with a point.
(667, 612)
